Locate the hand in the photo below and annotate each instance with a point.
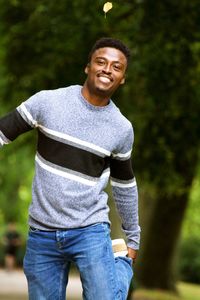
(132, 253)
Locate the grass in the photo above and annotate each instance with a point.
(13, 297)
(186, 291)
(189, 291)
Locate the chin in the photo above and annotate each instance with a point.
(103, 92)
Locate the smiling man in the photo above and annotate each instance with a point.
(83, 141)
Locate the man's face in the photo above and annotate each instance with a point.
(106, 71)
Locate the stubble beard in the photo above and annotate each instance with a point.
(99, 92)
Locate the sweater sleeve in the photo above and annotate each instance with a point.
(125, 191)
(22, 119)
(11, 126)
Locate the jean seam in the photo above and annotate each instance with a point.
(61, 283)
(113, 281)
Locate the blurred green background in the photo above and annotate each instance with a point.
(44, 45)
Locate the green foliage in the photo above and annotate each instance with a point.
(190, 260)
(168, 107)
(47, 43)
(17, 161)
(191, 226)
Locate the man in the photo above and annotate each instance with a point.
(83, 140)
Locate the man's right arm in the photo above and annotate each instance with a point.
(11, 126)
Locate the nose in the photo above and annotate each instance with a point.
(107, 69)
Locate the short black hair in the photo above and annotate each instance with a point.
(112, 43)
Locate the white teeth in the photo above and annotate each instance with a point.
(104, 79)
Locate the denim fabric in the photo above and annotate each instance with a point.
(49, 255)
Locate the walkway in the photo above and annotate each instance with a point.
(13, 286)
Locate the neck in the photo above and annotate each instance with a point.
(94, 98)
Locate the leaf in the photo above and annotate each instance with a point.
(107, 6)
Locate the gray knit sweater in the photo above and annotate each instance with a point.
(80, 147)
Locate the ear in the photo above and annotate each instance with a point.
(87, 68)
(123, 80)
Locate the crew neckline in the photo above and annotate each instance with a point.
(91, 106)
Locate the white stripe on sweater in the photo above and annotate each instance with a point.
(123, 185)
(68, 175)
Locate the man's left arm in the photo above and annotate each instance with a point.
(125, 194)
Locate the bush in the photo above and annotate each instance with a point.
(189, 263)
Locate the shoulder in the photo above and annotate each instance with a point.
(121, 120)
(53, 97)
(72, 89)
(124, 131)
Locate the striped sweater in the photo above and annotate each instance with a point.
(80, 147)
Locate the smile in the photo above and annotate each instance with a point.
(105, 79)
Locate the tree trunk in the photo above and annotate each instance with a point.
(155, 267)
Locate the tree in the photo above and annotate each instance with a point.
(167, 147)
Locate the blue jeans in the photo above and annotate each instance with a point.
(49, 255)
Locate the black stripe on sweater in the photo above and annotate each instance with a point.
(71, 157)
(13, 125)
(121, 169)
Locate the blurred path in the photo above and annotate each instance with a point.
(13, 286)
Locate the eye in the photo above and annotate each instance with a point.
(117, 67)
(100, 62)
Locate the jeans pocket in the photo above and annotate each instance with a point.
(129, 260)
(106, 227)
